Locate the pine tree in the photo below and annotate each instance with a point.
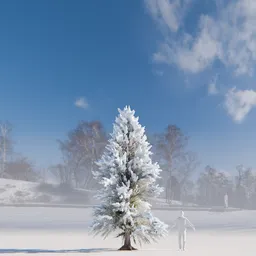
(128, 178)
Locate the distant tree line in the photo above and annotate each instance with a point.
(85, 144)
(241, 187)
(13, 165)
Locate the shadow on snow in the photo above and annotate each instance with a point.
(89, 250)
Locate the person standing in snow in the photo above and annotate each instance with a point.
(181, 223)
(226, 200)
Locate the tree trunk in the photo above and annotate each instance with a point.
(127, 243)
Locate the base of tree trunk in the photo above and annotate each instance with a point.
(127, 243)
(127, 248)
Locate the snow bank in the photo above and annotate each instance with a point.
(15, 192)
(23, 192)
(32, 193)
(161, 202)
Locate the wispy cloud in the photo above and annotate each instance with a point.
(81, 103)
(228, 36)
(159, 72)
(168, 13)
(239, 103)
(212, 87)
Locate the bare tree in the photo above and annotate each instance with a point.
(82, 148)
(170, 149)
(188, 192)
(43, 174)
(188, 165)
(5, 145)
(212, 186)
(62, 173)
(21, 169)
(245, 186)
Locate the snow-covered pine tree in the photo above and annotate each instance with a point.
(129, 179)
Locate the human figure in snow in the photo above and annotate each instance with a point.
(226, 200)
(181, 223)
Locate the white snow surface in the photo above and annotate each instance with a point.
(57, 231)
(19, 192)
(24, 192)
(15, 191)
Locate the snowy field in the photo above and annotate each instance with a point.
(58, 231)
(24, 192)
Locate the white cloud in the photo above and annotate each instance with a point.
(229, 36)
(159, 72)
(239, 103)
(167, 13)
(212, 87)
(81, 103)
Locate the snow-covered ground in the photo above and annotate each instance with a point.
(161, 203)
(50, 231)
(23, 192)
(64, 231)
(19, 192)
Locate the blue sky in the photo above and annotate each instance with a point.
(184, 62)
